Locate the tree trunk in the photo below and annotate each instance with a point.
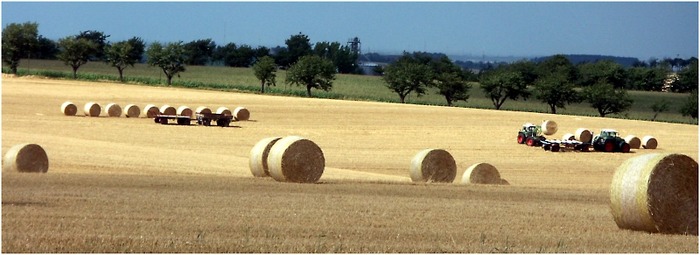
(308, 91)
(75, 72)
(13, 67)
(553, 108)
(403, 98)
(170, 79)
(121, 74)
(262, 87)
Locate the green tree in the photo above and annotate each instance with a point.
(199, 52)
(557, 64)
(500, 85)
(602, 71)
(606, 99)
(659, 107)
(690, 107)
(405, 76)
(170, 58)
(46, 49)
(18, 41)
(556, 91)
(343, 58)
(100, 41)
(123, 54)
(687, 78)
(527, 69)
(645, 78)
(265, 70)
(313, 72)
(450, 80)
(75, 52)
(297, 47)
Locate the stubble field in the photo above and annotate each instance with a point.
(130, 185)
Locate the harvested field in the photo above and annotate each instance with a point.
(130, 185)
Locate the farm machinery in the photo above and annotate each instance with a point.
(607, 141)
(204, 119)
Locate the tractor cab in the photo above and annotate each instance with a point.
(531, 129)
(608, 133)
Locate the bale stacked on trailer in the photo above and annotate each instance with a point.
(549, 127)
(224, 111)
(633, 141)
(150, 111)
(184, 111)
(482, 173)
(296, 159)
(568, 137)
(69, 109)
(132, 111)
(167, 110)
(92, 109)
(241, 113)
(656, 193)
(26, 158)
(583, 135)
(113, 110)
(258, 156)
(433, 165)
(203, 110)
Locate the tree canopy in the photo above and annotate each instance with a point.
(605, 98)
(313, 72)
(19, 41)
(500, 85)
(123, 54)
(407, 75)
(265, 70)
(170, 58)
(75, 52)
(556, 91)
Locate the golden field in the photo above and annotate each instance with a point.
(130, 185)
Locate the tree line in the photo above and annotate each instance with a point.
(555, 81)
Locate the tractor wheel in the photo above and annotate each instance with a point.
(624, 147)
(530, 141)
(555, 148)
(547, 147)
(609, 146)
(521, 138)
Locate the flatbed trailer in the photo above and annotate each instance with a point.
(204, 119)
(565, 145)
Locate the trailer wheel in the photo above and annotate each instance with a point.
(521, 138)
(156, 120)
(547, 147)
(584, 148)
(163, 121)
(183, 121)
(206, 122)
(555, 147)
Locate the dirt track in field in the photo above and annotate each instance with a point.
(362, 142)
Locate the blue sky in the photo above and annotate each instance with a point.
(628, 29)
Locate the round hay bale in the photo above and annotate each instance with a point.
(132, 111)
(656, 193)
(568, 136)
(69, 109)
(92, 109)
(549, 127)
(184, 111)
(433, 165)
(633, 141)
(482, 173)
(241, 113)
(223, 110)
(150, 111)
(583, 135)
(168, 110)
(26, 158)
(296, 159)
(258, 156)
(203, 110)
(113, 110)
(649, 142)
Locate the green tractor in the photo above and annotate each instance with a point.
(609, 141)
(530, 134)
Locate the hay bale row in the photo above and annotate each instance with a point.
(649, 142)
(69, 109)
(113, 110)
(287, 159)
(433, 165)
(633, 141)
(656, 193)
(132, 111)
(93, 109)
(30, 158)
